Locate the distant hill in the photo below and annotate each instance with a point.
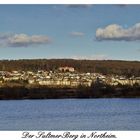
(127, 68)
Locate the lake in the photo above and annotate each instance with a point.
(70, 114)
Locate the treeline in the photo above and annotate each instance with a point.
(127, 68)
(61, 93)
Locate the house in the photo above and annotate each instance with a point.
(66, 69)
(1, 81)
(31, 81)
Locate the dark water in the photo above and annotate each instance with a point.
(70, 114)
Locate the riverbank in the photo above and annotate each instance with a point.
(7, 93)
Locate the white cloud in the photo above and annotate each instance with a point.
(78, 34)
(79, 5)
(118, 33)
(22, 40)
(92, 57)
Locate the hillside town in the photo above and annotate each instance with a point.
(63, 77)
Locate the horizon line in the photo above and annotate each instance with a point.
(68, 59)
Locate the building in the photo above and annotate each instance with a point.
(66, 69)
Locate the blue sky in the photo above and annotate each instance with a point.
(70, 31)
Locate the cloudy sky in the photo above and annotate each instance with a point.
(70, 31)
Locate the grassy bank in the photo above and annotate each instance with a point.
(43, 92)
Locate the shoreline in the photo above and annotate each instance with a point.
(23, 93)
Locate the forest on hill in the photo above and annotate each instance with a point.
(127, 68)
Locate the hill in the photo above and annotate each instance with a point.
(127, 68)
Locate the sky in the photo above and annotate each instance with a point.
(99, 32)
